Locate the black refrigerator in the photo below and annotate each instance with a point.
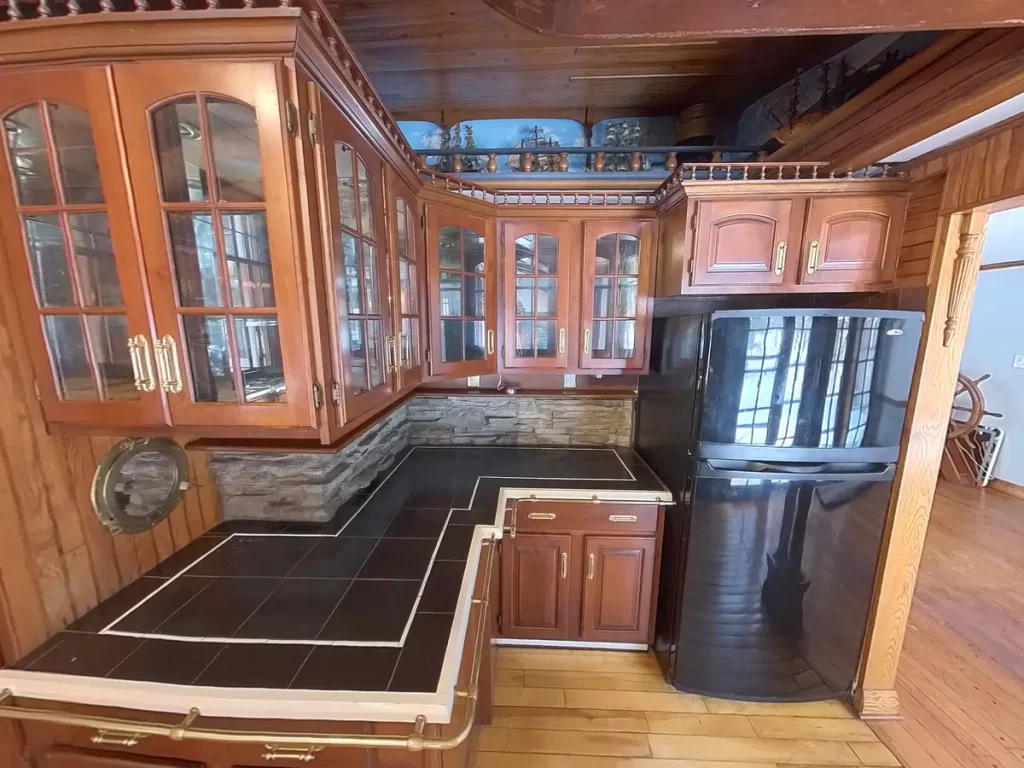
(778, 432)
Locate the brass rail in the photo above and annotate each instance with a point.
(294, 746)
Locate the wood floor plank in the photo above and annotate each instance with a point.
(830, 729)
(833, 709)
(700, 725)
(577, 661)
(502, 760)
(795, 751)
(874, 754)
(569, 719)
(537, 741)
(511, 678)
(528, 697)
(623, 681)
(637, 701)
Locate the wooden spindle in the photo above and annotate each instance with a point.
(212, 5)
(44, 9)
(492, 163)
(314, 18)
(563, 161)
(14, 11)
(332, 43)
(457, 163)
(286, 3)
(746, 172)
(527, 162)
(177, 5)
(671, 162)
(74, 8)
(634, 162)
(141, 5)
(106, 6)
(599, 162)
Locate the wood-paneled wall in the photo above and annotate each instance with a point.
(919, 230)
(56, 560)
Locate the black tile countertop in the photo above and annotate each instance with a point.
(365, 603)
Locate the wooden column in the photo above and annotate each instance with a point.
(955, 262)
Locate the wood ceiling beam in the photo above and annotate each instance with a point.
(962, 74)
(695, 19)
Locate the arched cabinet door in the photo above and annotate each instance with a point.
(539, 263)
(741, 242)
(68, 242)
(206, 147)
(852, 239)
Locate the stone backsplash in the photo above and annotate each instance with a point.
(265, 485)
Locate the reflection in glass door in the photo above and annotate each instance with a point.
(212, 197)
(409, 275)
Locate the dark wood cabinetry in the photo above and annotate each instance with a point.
(535, 586)
(580, 572)
(851, 239)
(741, 242)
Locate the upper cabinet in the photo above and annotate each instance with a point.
(462, 278)
(70, 249)
(852, 239)
(540, 273)
(618, 259)
(205, 146)
(408, 282)
(741, 241)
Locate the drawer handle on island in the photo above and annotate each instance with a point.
(542, 515)
(591, 566)
(622, 518)
(565, 564)
(780, 258)
(291, 753)
(115, 739)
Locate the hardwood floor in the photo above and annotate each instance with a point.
(961, 682)
(599, 709)
(961, 675)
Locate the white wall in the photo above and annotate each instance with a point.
(996, 336)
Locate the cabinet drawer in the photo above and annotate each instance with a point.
(552, 517)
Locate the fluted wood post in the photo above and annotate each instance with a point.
(141, 5)
(599, 162)
(44, 9)
(14, 11)
(492, 163)
(671, 162)
(527, 162)
(563, 161)
(634, 162)
(74, 8)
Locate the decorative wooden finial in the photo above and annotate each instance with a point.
(106, 6)
(248, 3)
(563, 161)
(314, 18)
(286, 4)
(74, 8)
(527, 162)
(634, 162)
(968, 256)
(599, 162)
(332, 43)
(457, 163)
(44, 9)
(14, 11)
(212, 5)
(492, 163)
(671, 162)
(141, 5)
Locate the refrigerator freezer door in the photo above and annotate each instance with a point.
(778, 583)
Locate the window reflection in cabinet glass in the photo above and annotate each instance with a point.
(374, 357)
(108, 342)
(449, 242)
(547, 297)
(71, 369)
(194, 252)
(408, 303)
(451, 294)
(76, 155)
(49, 262)
(615, 297)
(525, 252)
(259, 359)
(30, 160)
(94, 260)
(474, 297)
(350, 257)
(178, 135)
(463, 294)
(235, 145)
(370, 278)
(247, 250)
(366, 366)
(536, 296)
(365, 201)
(346, 185)
(476, 346)
(209, 355)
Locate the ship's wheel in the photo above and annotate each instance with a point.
(968, 406)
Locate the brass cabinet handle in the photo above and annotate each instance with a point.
(780, 258)
(586, 342)
(142, 364)
(565, 564)
(115, 739)
(406, 347)
(591, 566)
(622, 518)
(812, 259)
(510, 529)
(391, 350)
(490, 342)
(167, 364)
(541, 515)
(561, 341)
(291, 753)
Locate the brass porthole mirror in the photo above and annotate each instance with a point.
(138, 483)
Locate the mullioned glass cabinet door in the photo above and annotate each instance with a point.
(67, 235)
(206, 150)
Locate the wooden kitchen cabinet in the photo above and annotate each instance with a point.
(852, 239)
(617, 589)
(462, 279)
(618, 263)
(535, 586)
(741, 242)
(408, 282)
(71, 757)
(541, 282)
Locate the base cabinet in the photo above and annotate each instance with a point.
(581, 573)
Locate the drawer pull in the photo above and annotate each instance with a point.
(565, 564)
(116, 739)
(622, 518)
(291, 753)
(542, 515)
(591, 566)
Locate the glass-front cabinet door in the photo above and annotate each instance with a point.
(616, 294)
(69, 244)
(407, 282)
(206, 153)
(539, 267)
(356, 247)
(462, 281)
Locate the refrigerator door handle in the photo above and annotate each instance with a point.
(824, 473)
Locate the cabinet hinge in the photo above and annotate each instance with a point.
(291, 117)
(426, 354)
(693, 222)
(336, 393)
(689, 266)
(500, 627)
(502, 237)
(318, 396)
(314, 131)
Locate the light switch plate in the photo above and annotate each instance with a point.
(1018, 361)
(570, 381)
(473, 382)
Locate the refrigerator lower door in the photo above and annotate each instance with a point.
(778, 581)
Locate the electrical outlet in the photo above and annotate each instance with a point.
(1018, 361)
